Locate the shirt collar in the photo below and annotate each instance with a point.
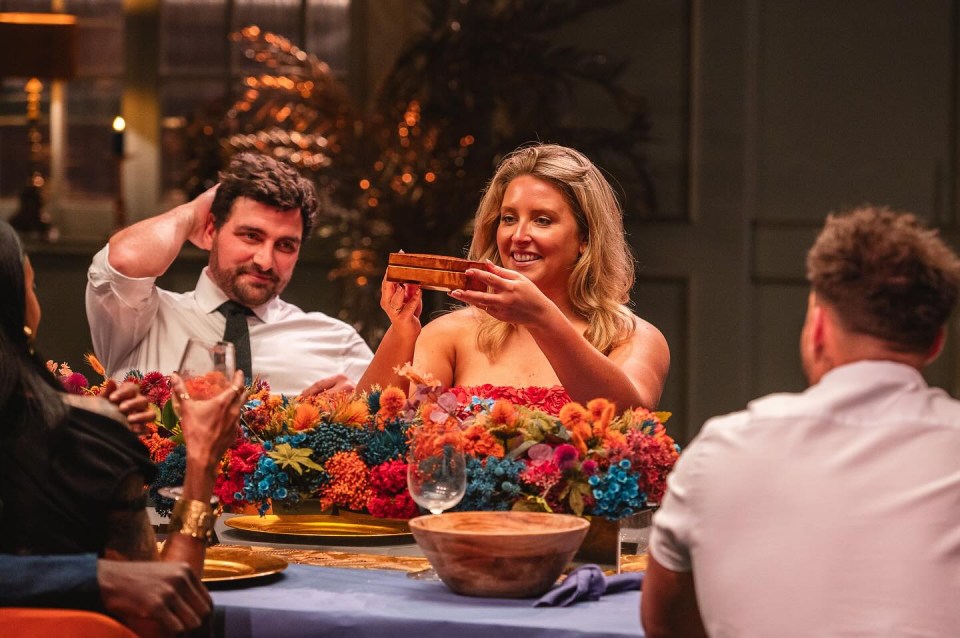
(891, 372)
(209, 296)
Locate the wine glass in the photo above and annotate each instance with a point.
(436, 474)
(207, 369)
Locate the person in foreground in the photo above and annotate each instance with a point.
(253, 223)
(832, 512)
(72, 476)
(557, 283)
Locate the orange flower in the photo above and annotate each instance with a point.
(392, 402)
(478, 442)
(602, 412)
(95, 364)
(416, 377)
(573, 414)
(349, 412)
(577, 439)
(306, 416)
(503, 413)
(349, 484)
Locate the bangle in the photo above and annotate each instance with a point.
(193, 518)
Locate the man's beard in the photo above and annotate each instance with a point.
(249, 294)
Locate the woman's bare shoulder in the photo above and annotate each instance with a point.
(644, 337)
(451, 324)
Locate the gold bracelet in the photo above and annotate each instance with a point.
(193, 518)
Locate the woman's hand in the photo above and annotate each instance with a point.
(209, 425)
(403, 304)
(134, 406)
(509, 297)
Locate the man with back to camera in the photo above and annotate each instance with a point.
(833, 511)
(253, 223)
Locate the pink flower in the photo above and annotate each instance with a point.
(540, 452)
(565, 456)
(74, 383)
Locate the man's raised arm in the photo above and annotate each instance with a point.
(147, 248)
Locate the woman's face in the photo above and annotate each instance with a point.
(538, 234)
(32, 304)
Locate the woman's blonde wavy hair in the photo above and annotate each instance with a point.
(601, 280)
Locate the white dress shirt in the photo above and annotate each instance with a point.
(833, 512)
(135, 324)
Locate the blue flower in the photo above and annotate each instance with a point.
(617, 492)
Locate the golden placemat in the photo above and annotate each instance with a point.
(351, 560)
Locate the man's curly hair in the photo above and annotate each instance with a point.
(886, 276)
(268, 181)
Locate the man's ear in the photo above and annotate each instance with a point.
(937, 346)
(209, 232)
(820, 331)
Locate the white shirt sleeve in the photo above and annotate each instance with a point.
(357, 357)
(674, 524)
(120, 310)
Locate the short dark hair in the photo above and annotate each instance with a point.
(268, 181)
(885, 275)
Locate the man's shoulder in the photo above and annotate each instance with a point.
(779, 404)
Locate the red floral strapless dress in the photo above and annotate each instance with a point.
(548, 400)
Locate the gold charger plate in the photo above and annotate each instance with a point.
(235, 563)
(322, 526)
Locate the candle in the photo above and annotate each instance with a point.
(118, 126)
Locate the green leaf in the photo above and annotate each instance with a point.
(531, 504)
(168, 416)
(576, 502)
(519, 451)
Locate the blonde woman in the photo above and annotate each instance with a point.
(558, 278)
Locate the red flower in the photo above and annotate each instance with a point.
(389, 478)
(154, 386)
(396, 506)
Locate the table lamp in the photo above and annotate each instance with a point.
(36, 46)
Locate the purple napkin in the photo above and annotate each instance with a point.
(587, 582)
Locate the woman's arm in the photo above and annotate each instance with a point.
(403, 304)
(209, 428)
(633, 375)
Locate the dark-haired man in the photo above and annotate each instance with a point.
(253, 223)
(832, 512)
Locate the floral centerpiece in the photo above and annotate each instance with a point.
(348, 451)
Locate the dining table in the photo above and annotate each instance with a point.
(358, 587)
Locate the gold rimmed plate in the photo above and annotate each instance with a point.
(323, 527)
(223, 564)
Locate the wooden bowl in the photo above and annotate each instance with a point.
(499, 554)
(434, 272)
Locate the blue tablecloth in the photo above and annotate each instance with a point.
(325, 601)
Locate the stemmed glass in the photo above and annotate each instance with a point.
(436, 474)
(207, 370)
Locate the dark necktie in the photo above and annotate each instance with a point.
(238, 333)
